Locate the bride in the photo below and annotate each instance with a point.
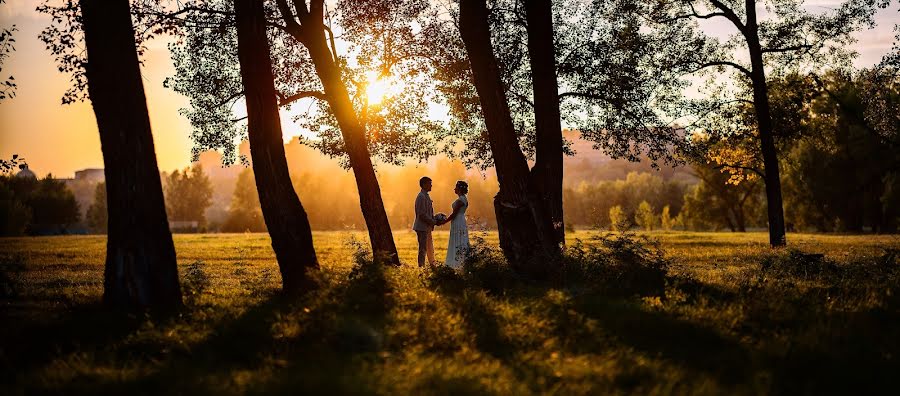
(459, 231)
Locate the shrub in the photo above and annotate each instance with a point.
(617, 264)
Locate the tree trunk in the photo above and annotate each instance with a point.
(285, 217)
(354, 136)
(525, 228)
(772, 175)
(141, 269)
(547, 174)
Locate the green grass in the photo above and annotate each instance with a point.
(735, 317)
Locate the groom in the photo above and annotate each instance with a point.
(425, 222)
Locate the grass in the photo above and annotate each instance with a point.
(734, 317)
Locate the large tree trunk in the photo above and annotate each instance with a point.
(547, 174)
(772, 175)
(285, 217)
(354, 135)
(525, 227)
(141, 270)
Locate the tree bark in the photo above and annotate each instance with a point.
(547, 173)
(141, 269)
(525, 227)
(772, 175)
(354, 136)
(282, 210)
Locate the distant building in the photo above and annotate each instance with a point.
(91, 175)
(184, 226)
(26, 173)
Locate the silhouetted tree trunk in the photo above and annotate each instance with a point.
(310, 30)
(285, 217)
(547, 173)
(141, 270)
(525, 227)
(771, 173)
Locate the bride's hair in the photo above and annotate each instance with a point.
(463, 186)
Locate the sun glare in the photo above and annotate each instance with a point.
(378, 88)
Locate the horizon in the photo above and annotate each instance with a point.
(35, 116)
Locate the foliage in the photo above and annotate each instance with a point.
(665, 219)
(589, 203)
(617, 219)
(722, 200)
(842, 174)
(7, 86)
(644, 216)
(617, 263)
(14, 211)
(244, 211)
(206, 71)
(8, 166)
(97, 216)
(188, 194)
(43, 206)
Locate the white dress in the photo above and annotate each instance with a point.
(458, 245)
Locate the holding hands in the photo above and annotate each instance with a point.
(440, 219)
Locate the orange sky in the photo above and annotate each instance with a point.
(62, 139)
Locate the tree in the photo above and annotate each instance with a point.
(665, 218)
(52, 205)
(524, 219)
(787, 37)
(284, 214)
(15, 213)
(644, 216)
(721, 200)
(188, 195)
(617, 219)
(140, 267)
(97, 217)
(547, 173)
(306, 66)
(842, 173)
(245, 211)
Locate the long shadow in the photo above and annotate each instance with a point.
(653, 333)
(338, 324)
(85, 327)
(660, 334)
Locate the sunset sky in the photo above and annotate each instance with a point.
(61, 139)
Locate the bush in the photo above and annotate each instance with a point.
(617, 264)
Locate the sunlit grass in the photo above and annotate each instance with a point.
(724, 325)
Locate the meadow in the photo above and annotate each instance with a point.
(732, 316)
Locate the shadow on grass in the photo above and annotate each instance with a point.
(314, 344)
(85, 327)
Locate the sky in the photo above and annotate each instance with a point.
(60, 139)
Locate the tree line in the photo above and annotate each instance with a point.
(509, 71)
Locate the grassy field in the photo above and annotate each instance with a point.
(734, 317)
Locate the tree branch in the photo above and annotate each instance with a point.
(787, 49)
(730, 14)
(747, 168)
(331, 40)
(291, 24)
(230, 98)
(284, 100)
(740, 68)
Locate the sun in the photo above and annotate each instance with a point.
(378, 87)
